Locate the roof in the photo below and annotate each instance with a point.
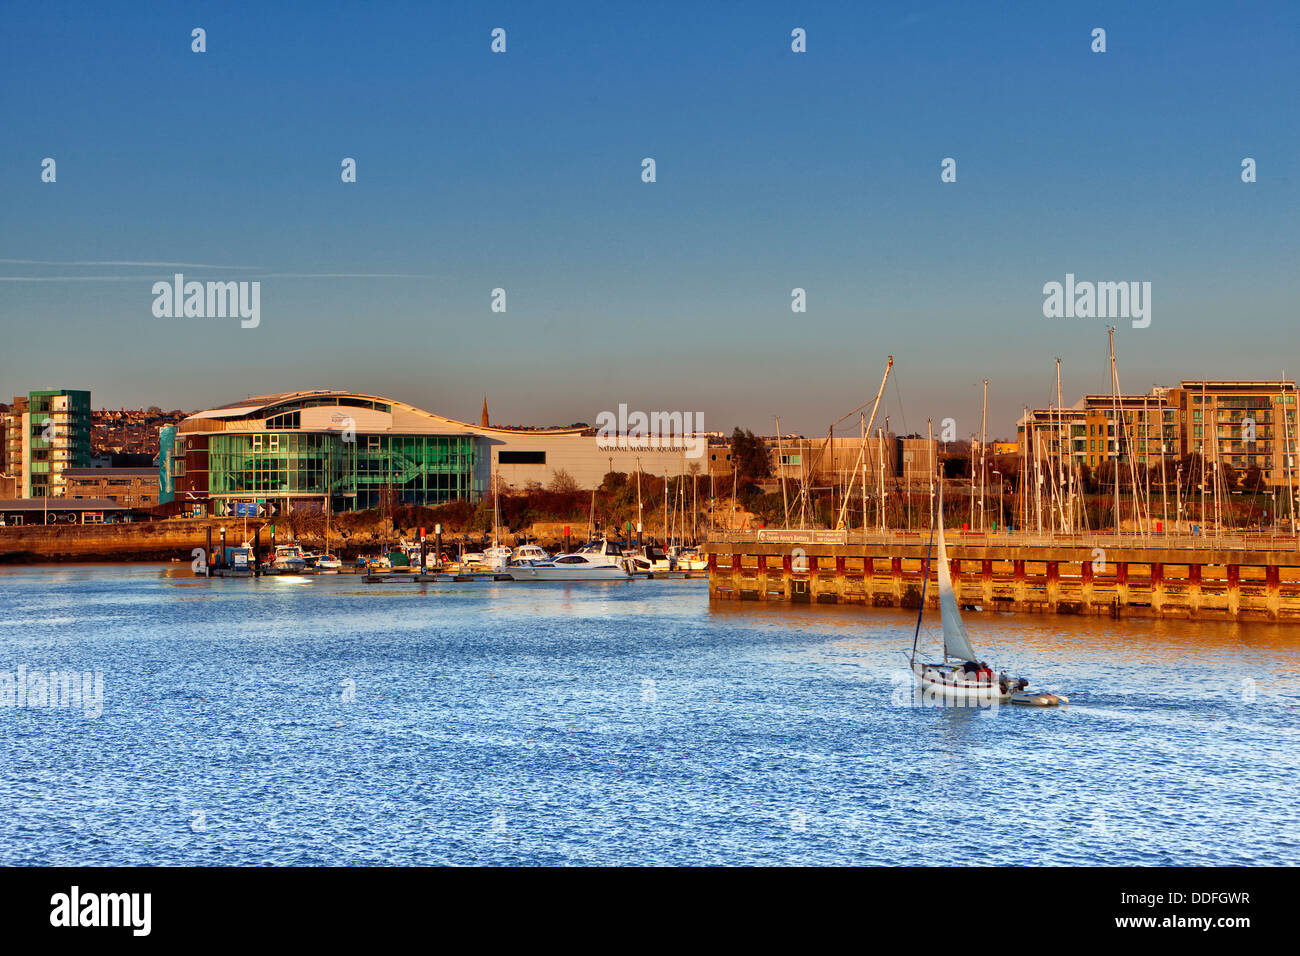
(1272, 385)
(409, 415)
(258, 401)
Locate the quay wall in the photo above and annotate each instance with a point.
(1203, 580)
(172, 539)
(131, 541)
(176, 539)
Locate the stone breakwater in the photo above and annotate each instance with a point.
(1251, 579)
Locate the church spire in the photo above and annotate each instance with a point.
(484, 421)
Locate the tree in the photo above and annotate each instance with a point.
(954, 466)
(1228, 476)
(562, 483)
(749, 457)
(1254, 480)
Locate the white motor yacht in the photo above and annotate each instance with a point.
(603, 561)
(653, 560)
(527, 554)
(288, 557)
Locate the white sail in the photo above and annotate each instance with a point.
(955, 641)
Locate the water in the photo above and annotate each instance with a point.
(619, 723)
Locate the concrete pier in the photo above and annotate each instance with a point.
(1242, 578)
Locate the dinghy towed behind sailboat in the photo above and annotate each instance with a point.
(968, 681)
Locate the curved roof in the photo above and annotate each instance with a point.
(405, 417)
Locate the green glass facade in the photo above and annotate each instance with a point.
(68, 446)
(419, 469)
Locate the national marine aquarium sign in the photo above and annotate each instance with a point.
(249, 509)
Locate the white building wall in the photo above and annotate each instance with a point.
(578, 455)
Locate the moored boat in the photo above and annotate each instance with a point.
(527, 554)
(653, 560)
(595, 562)
(288, 557)
(689, 559)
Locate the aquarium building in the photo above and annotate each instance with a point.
(354, 451)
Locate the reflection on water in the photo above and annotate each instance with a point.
(323, 720)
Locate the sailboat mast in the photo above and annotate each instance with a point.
(984, 417)
(835, 477)
(1204, 426)
(1286, 438)
(1164, 480)
(929, 428)
(925, 574)
(496, 502)
(1114, 404)
(663, 527)
(1024, 471)
(970, 510)
(803, 480)
(1038, 479)
(863, 456)
(880, 437)
(780, 473)
(1060, 445)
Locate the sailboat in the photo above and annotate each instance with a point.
(966, 680)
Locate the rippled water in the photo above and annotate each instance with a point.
(619, 723)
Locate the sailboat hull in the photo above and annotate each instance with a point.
(949, 683)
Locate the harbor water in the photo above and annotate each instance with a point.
(292, 721)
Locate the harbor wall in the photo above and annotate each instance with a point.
(1118, 578)
(134, 541)
(172, 539)
(176, 538)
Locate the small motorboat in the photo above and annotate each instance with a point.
(288, 557)
(329, 562)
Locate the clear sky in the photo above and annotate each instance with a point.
(522, 171)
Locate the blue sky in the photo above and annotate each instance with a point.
(522, 171)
